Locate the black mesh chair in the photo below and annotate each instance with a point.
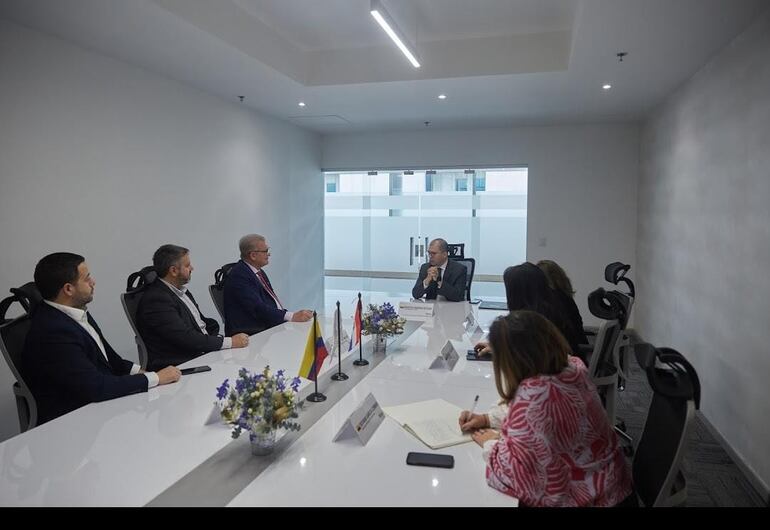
(13, 334)
(456, 250)
(615, 273)
(27, 296)
(603, 364)
(469, 264)
(135, 285)
(217, 290)
(657, 473)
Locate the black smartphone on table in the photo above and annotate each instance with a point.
(472, 355)
(430, 460)
(195, 370)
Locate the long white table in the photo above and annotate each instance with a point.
(154, 448)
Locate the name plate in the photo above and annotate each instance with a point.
(415, 310)
(447, 358)
(362, 422)
(476, 334)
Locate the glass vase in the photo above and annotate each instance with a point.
(379, 344)
(262, 443)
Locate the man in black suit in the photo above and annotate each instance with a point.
(169, 319)
(67, 362)
(440, 277)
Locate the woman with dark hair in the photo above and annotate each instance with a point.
(560, 284)
(526, 288)
(550, 442)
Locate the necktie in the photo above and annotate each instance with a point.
(263, 279)
(438, 278)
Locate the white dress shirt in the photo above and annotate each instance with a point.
(289, 314)
(227, 343)
(81, 317)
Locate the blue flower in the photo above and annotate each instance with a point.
(222, 390)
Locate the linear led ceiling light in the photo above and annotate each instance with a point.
(386, 22)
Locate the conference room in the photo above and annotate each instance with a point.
(298, 253)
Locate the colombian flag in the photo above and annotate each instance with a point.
(355, 337)
(308, 369)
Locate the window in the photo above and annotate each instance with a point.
(480, 183)
(461, 184)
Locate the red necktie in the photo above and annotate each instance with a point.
(266, 285)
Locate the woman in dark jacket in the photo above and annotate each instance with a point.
(560, 284)
(526, 288)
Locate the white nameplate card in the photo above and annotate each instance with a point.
(477, 334)
(470, 321)
(214, 415)
(415, 310)
(363, 421)
(447, 358)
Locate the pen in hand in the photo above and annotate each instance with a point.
(473, 408)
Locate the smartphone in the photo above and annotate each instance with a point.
(195, 370)
(430, 460)
(471, 355)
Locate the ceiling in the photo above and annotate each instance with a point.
(500, 62)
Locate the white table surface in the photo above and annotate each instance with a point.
(127, 451)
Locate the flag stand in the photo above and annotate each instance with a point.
(360, 361)
(339, 376)
(315, 397)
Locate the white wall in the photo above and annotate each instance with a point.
(110, 161)
(582, 184)
(704, 238)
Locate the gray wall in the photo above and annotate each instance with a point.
(704, 238)
(111, 161)
(582, 184)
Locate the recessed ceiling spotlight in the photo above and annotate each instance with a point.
(301, 103)
(607, 86)
(442, 96)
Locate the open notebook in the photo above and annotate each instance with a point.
(434, 422)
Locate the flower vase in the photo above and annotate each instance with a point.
(262, 443)
(379, 342)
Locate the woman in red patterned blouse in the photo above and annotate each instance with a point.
(555, 446)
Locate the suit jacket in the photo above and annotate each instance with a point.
(452, 285)
(249, 308)
(169, 331)
(65, 369)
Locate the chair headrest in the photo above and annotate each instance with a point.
(677, 380)
(607, 305)
(221, 274)
(28, 296)
(615, 271)
(140, 279)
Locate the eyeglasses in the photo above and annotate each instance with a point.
(431, 253)
(266, 250)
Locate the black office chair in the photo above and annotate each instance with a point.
(656, 468)
(27, 296)
(456, 250)
(217, 290)
(615, 273)
(603, 364)
(469, 264)
(135, 285)
(13, 335)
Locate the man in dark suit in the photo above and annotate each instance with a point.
(67, 362)
(169, 319)
(251, 304)
(440, 277)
